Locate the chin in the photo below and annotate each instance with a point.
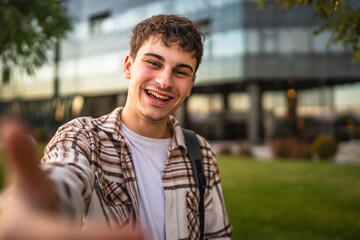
(154, 117)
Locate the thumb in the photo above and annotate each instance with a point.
(22, 164)
(20, 149)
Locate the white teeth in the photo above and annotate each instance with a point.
(157, 95)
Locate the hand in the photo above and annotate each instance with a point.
(28, 207)
(22, 165)
(20, 221)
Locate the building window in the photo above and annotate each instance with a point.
(293, 40)
(228, 43)
(322, 43)
(99, 23)
(204, 26)
(5, 75)
(252, 41)
(269, 40)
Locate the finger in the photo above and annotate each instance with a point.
(20, 149)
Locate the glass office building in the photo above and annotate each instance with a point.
(260, 68)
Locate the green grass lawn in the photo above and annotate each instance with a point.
(290, 199)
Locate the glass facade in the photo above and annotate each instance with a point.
(243, 46)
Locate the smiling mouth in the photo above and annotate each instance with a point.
(157, 96)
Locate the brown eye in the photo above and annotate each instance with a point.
(181, 73)
(153, 63)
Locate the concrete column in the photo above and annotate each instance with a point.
(254, 123)
(322, 106)
(225, 101)
(121, 99)
(332, 111)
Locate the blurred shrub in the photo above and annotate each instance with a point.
(224, 151)
(291, 147)
(347, 127)
(304, 127)
(245, 149)
(325, 147)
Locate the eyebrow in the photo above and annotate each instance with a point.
(161, 58)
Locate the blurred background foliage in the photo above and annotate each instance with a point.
(29, 29)
(341, 17)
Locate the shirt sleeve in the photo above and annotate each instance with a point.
(217, 222)
(67, 161)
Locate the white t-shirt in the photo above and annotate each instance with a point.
(149, 157)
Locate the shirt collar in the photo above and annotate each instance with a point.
(110, 123)
(178, 139)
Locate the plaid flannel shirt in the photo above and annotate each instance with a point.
(90, 163)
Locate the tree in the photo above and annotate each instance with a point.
(341, 17)
(29, 30)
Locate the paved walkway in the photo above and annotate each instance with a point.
(348, 152)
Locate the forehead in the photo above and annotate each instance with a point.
(154, 44)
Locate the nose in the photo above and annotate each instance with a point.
(164, 78)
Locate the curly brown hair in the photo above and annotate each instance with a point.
(172, 28)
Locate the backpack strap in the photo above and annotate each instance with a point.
(194, 153)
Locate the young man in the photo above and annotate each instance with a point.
(130, 167)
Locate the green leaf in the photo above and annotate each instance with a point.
(31, 27)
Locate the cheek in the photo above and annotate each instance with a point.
(142, 75)
(186, 89)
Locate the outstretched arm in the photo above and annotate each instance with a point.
(29, 209)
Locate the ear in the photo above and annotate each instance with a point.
(127, 66)
(192, 84)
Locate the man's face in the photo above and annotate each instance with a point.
(160, 77)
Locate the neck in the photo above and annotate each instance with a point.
(145, 127)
